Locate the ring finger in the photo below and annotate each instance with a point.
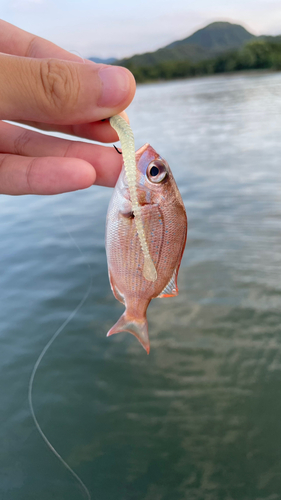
(18, 141)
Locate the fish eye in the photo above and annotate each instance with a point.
(156, 171)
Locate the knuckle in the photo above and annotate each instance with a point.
(60, 83)
(69, 147)
(21, 142)
(3, 177)
(3, 161)
(31, 50)
(29, 175)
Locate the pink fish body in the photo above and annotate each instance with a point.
(165, 227)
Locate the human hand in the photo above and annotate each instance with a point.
(51, 89)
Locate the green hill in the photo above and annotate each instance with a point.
(217, 37)
(206, 43)
(219, 47)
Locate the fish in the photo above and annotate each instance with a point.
(165, 227)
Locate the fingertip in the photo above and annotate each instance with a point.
(118, 87)
(100, 131)
(108, 164)
(124, 115)
(79, 175)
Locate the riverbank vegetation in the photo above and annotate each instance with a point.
(255, 55)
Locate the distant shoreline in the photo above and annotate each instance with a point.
(244, 72)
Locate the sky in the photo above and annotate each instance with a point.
(121, 28)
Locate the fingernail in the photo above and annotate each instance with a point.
(115, 86)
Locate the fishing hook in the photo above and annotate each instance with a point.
(117, 150)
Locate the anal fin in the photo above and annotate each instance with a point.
(171, 289)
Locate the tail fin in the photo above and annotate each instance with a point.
(136, 326)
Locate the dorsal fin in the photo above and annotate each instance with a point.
(171, 289)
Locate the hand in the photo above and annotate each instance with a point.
(51, 89)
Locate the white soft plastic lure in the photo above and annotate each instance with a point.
(126, 137)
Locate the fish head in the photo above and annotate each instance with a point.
(155, 181)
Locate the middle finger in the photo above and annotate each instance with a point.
(100, 131)
(19, 141)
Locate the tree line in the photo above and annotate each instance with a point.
(257, 54)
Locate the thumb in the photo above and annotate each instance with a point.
(62, 92)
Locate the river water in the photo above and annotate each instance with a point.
(199, 418)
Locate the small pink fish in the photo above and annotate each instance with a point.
(165, 227)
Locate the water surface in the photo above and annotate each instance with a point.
(199, 418)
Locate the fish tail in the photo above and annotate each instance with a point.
(137, 326)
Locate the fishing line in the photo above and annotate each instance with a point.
(76, 53)
(39, 359)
